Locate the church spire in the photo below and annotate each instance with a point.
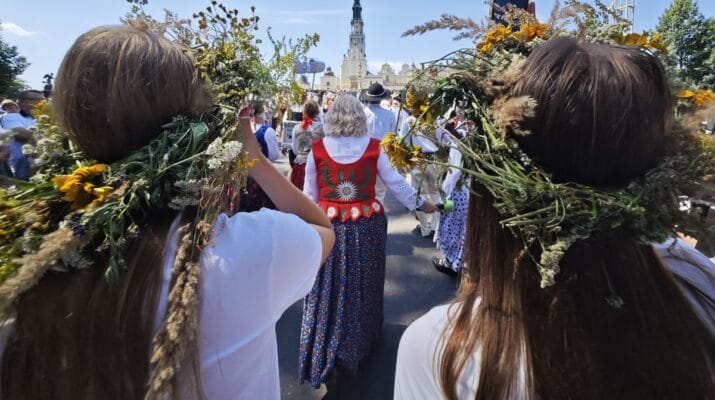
(357, 10)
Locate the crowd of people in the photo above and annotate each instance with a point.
(320, 235)
(15, 123)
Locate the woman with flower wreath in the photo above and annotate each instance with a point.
(309, 130)
(451, 234)
(179, 320)
(343, 313)
(623, 318)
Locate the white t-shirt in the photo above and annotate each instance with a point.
(16, 120)
(379, 121)
(257, 266)
(271, 139)
(417, 372)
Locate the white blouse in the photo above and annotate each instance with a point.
(257, 266)
(417, 376)
(348, 149)
(453, 174)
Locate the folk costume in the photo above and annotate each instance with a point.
(343, 313)
(451, 234)
(425, 179)
(268, 140)
(304, 135)
(380, 120)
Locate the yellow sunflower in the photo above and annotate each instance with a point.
(82, 194)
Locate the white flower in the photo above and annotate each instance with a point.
(177, 203)
(222, 152)
(346, 191)
(28, 149)
(231, 150)
(215, 147)
(191, 186)
(215, 163)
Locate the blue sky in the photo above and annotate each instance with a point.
(43, 30)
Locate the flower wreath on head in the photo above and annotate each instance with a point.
(74, 211)
(548, 217)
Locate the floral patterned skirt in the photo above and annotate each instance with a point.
(343, 313)
(452, 231)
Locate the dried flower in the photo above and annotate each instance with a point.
(404, 157)
(698, 98)
(645, 40)
(79, 192)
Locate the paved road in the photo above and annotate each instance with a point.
(412, 287)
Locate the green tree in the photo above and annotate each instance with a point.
(691, 38)
(12, 64)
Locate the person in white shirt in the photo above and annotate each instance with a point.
(451, 235)
(266, 136)
(400, 113)
(425, 178)
(625, 319)
(379, 121)
(23, 118)
(94, 337)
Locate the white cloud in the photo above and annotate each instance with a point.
(308, 13)
(296, 21)
(15, 29)
(303, 17)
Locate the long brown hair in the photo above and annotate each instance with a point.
(75, 335)
(602, 117)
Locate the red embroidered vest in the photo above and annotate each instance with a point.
(347, 190)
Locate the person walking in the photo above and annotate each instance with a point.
(424, 178)
(178, 321)
(343, 313)
(380, 121)
(451, 235)
(309, 130)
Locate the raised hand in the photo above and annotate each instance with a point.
(245, 115)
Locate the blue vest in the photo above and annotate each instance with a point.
(261, 137)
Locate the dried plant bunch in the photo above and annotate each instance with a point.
(547, 215)
(75, 210)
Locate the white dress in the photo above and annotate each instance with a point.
(417, 376)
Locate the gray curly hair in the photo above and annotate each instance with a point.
(346, 117)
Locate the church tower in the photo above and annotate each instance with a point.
(355, 61)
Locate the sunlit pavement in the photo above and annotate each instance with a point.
(412, 288)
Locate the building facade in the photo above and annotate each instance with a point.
(354, 73)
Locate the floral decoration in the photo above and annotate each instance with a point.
(403, 156)
(697, 98)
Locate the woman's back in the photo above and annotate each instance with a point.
(257, 265)
(422, 344)
(563, 297)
